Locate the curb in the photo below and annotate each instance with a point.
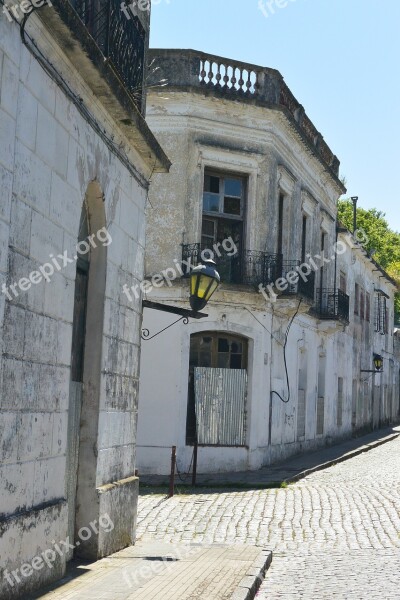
(343, 458)
(292, 479)
(250, 584)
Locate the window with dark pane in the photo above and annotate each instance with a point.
(223, 218)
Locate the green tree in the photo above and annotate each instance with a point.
(383, 242)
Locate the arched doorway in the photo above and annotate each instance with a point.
(86, 353)
(217, 398)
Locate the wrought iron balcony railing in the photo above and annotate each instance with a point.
(122, 41)
(245, 267)
(251, 267)
(303, 286)
(332, 305)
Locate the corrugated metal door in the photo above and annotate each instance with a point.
(220, 403)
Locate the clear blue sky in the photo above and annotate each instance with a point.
(340, 58)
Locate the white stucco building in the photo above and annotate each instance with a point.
(264, 375)
(76, 157)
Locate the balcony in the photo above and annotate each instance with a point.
(122, 41)
(332, 305)
(207, 74)
(109, 52)
(301, 287)
(252, 268)
(248, 267)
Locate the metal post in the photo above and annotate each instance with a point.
(354, 199)
(194, 474)
(172, 476)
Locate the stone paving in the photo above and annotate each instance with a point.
(160, 571)
(335, 534)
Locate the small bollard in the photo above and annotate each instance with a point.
(172, 476)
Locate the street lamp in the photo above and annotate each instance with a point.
(204, 280)
(378, 362)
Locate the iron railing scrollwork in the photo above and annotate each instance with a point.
(333, 305)
(251, 268)
(243, 267)
(122, 41)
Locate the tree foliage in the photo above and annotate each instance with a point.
(383, 242)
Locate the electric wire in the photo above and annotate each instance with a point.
(285, 359)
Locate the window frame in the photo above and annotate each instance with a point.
(222, 176)
(216, 336)
(362, 303)
(343, 278)
(368, 307)
(357, 299)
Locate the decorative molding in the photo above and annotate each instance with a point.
(308, 203)
(286, 180)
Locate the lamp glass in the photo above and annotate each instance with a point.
(378, 362)
(204, 280)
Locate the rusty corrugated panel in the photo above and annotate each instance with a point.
(220, 400)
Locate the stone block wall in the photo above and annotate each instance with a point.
(48, 157)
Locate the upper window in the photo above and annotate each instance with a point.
(223, 195)
(368, 307)
(356, 299)
(362, 303)
(343, 282)
(304, 240)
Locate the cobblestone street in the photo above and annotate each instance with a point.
(335, 534)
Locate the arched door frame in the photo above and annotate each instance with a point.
(85, 395)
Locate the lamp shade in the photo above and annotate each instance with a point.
(204, 280)
(378, 362)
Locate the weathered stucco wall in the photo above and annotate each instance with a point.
(204, 132)
(375, 398)
(48, 157)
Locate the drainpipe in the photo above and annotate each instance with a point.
(270, 384)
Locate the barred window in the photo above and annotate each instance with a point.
(381, 314)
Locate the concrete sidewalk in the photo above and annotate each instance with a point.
(160, 571)
(290, 470)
